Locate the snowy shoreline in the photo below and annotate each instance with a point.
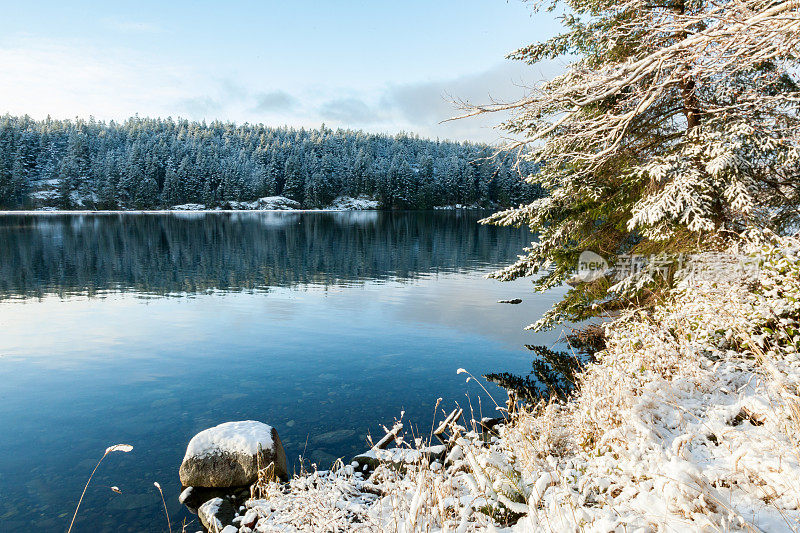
(213, 211)
(267, 204)
(687, 421)
(178, 211)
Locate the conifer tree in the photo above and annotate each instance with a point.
(676, 125)
(151, 163)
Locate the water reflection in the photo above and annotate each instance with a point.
(191, 252)
(554, 373)
(323, 324)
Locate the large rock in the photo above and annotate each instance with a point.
(275, 202)
(347, 203)
(228, 455)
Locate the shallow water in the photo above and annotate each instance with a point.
(145, 329)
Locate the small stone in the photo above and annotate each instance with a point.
(250, 519)
(197, 496)
(216, 514)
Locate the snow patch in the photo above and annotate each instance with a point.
(347, 203)
(458, 206)
(45, 195)
(275, 202)
(209, 511)
(233, 437)
(188, 207)
(185, 494)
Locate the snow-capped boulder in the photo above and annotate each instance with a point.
(347, 203)
(238, 206)
(229, 455)
(216, 514)
(276, 202)
(188, 207)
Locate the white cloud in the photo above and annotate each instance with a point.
(422, 107)
(70, 80)
(75, 79)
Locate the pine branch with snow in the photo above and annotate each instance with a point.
(675, 127)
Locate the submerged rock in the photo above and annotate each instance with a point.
(229, 455)
(333, 437)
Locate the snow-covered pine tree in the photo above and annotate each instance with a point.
(106, 164)
(674, 126)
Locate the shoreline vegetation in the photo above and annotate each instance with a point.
(687, 420)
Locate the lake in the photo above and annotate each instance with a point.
(147, 328)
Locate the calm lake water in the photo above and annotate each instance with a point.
(147, 328)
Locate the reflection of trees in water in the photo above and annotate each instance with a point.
(190, 252)
(553, 373)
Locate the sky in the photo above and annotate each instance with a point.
(379, 66)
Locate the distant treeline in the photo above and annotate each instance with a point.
(152, 163)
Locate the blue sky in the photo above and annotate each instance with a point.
(379, 66)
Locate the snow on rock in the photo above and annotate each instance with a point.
(188, 207)
(185, 494)
(347, 203)
(275, 203)
(229, 455)
(216, 515)
(233, 205)
(458, 206)
(234, 437)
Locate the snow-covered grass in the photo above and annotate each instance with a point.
(689, 420)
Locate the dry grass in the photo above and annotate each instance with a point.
(688, 421)
(115, 448)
